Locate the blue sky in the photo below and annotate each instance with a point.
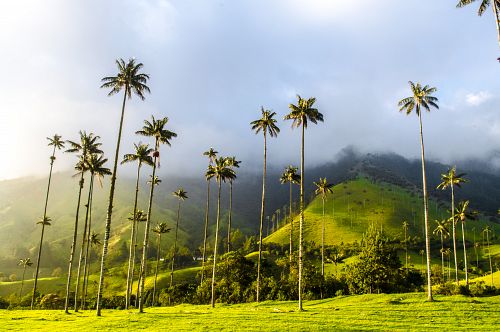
(214, 63)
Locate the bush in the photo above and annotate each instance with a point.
(52, 301)
(114, 302)
(3, 303)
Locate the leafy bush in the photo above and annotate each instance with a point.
(4, 304)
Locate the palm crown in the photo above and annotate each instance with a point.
(421, 98)
(232, 162)
(482, 7)
(56, 142)
(88, 144)
(180, 194)
(290, 175)
(303, 112)
(128, 78)
(161, 228)
(95, 164)
(94, 239)
(463, 213)
(221, 171)
(211, 154)
(441, 228)
(142, 154)
(25, 262)
(323, 188)
(45, 221)
(266, 124)
(451, 179)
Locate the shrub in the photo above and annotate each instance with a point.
(4, 304)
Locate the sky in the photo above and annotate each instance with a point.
(213, 64)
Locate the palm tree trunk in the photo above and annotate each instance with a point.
(262, 209)
(465, 254)
(301, 223)
(453, 225)
(230, 216)
(22, 283)
(497, 19)
(142, 274)
(323, 241)
(87, 259)
(175, 243)
(136, 302)
(489, 256)
(442, 256)
(84, 238)
(291, 227)
(132, 244)
(406, 249)
(110, 210)
(426, 213)
(207, 210)
(43, 229)
(156, 268)
(215, 244)
(73, 244)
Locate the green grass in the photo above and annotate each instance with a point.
(363, 312)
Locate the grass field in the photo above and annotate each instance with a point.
(363, 312)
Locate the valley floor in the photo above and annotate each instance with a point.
(363, 312)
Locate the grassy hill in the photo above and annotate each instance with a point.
(408, 312)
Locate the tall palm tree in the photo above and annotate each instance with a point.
(156, 129)
(160, 229)
(452, 179)
(94, 241)
(45, 221)
(443, 232)
(139, 217)
(142, 155)
(447, 253)
(301, 114)
(58, 144)
(266, 124)
(24, 262)
(130, 80)
(291, 177)
(94, 163)
(422, 99)
(482, 8)
(181, 195)
(231, 162)
(222, 173)
(323, 188)
(405, 229)
(487, 231)
(88, 145)
(462, 213)
(211, 154)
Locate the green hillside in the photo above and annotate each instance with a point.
(358, 203)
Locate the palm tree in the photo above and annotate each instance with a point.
(231, 162)
(58, 144)
(291, 177)
(447, 253)
(487, 231)
(181, 195)
(482, 8)
(266, 124)
(301, 114)
(422, 99)
(24, 262)
(462, 213)
(451, 179)
(128, 79)
(221, 172)
(211, 154)
(142, 155)
(160, 229)
(94, 163)
(88, 145)
(405, 229)
(155, 129)
(139, 217)
(93, 241)
(443, 232)
(45, 221)
(323, 188)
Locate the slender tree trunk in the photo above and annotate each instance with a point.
(489, 256)
(52, 158)
(175, 243)
(301, 224)
(497, 19)
(156, 268)
(110, 210)
(142, 274)
(73, 243)
(136, 302)
(207, 210)
(291, 227)
(442, 256)
(87, 259)
(453, 225)
(22, 284)
(84, 238)
(323, 241)
(230, 216)
(262, 209)
(215, 244)
(406, 250)
(132, 242)
(426, 214)
(465, 254)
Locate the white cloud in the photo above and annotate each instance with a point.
(476, 99)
